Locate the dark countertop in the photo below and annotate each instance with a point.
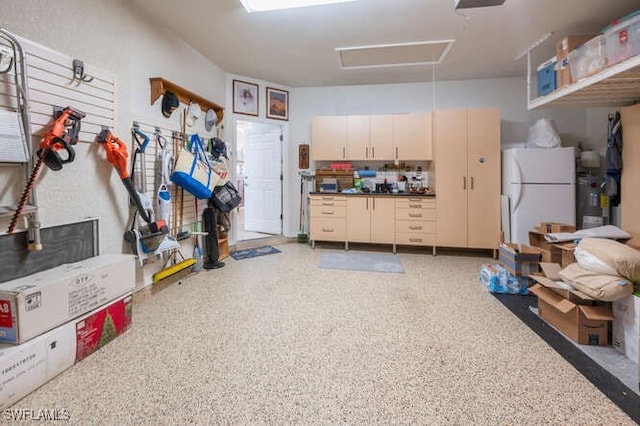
(376, 194)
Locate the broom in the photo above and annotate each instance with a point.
(302, 236)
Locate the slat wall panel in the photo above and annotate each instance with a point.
(50, 83)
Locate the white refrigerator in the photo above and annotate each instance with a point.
(540, 185)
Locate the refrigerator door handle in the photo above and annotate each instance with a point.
(518, 182)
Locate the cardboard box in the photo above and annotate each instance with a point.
(563, 254)
(563, 47)
(584, 324)
(520, 260)
(626, 326)
(553, 227)
(26, 367)
(32, 305)
(536, 239)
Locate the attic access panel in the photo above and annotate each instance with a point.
(394, 55)
(469, 4)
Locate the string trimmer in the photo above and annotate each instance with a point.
(59, 136)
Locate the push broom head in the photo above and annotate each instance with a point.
(174, 273)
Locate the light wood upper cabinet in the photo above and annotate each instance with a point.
(358, 137)
(381, 137)
(329, 138)
(468, 178)
(412, 137)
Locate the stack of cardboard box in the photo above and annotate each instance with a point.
(560, 253)
(53, 319)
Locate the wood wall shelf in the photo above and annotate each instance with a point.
(160, 85)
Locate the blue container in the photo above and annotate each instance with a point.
(547, 81)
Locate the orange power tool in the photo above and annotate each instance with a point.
(117, 155)
(58, 138)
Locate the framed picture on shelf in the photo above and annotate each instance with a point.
(245, 98)
(277, 104)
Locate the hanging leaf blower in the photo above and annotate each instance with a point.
(59, 136)
(148, 237)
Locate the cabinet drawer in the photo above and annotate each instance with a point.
(328, 200)
(328, 211)
(328, 229)
(416, 203)
(415, 227)
(415, 239)
(415, 214)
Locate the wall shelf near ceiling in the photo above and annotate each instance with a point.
(618, 85)
(160, 85)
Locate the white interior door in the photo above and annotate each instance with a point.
(262, 185)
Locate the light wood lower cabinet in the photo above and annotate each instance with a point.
(416, 221)
(328, 218)
(373, 219)
(370, 220)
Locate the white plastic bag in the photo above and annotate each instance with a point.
(543, 135)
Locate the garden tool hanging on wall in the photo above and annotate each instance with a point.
(59, 137)
(146, 238)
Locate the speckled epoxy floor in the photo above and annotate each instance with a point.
(275, 339)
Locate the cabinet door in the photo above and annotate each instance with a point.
(358, 219)
(630, 201)
(329, 138)
(358, 137)
(383, 220)
(483, 170)
(412, 136)
(381, 137)
(451, 178)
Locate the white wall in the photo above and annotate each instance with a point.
(508, 94)
(111, 36)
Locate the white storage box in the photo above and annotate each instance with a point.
(588, 59)
(26, 367)
(623, 38)
(32, 305)
(626, 327)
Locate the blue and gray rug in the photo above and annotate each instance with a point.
(361, 261)
(253, 252)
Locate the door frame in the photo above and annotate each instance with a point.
(284, 162)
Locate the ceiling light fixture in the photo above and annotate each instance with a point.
(267, 5)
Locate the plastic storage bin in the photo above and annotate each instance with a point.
(588, 59)
(622, 38)
(547, 81)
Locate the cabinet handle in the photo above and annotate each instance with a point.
(366, 152)
(415, 206)
(373, 152)
(415, 199)
(327, 204)
(415, 240)
(327, 230)
(464, 182)
(343, 153)
(397, 153)
(328, 212)
(415, 227)
(327, 198)
(471, 182)
(415, 214)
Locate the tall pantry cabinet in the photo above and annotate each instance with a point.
(467, 161)
(629, 199)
